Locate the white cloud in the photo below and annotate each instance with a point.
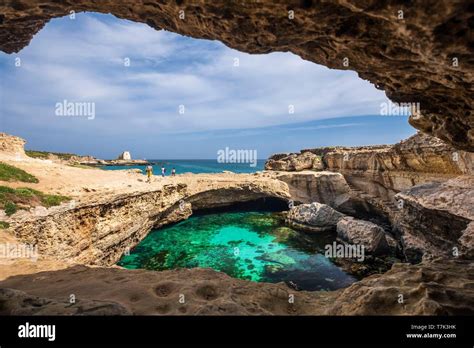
(83, 60)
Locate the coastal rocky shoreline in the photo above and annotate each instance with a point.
(80, 241)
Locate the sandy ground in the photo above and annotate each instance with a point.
(82, 183)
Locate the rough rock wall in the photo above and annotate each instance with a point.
(387, 169)
(323, 187)
(443, 287)
(417, 51)
(99, 233)
(434, 217)
(419, 153)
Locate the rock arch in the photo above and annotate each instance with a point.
(417, 52)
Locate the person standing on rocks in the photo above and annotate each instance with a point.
(163, 170)
(149, 173)
(173, 172)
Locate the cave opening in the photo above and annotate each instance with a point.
(177, 90)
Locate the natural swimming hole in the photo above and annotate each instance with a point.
(255, 246)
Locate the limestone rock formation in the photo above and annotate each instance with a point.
(384, 170)
(433, 217)
(323, 187)
(421, 184)
(414, 58)
(144, 292)
(419, 153)
(12, 145)
(15, 302)
(295, 162)
(376, 174)
(314, 217)
(441, 287)
(365, 233)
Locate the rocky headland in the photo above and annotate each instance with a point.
(110, 212)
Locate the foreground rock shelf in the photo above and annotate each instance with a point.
(442, 287)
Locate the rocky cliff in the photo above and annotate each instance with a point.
(433, 218)
(387, 169)
(417, 51)
(421, 184)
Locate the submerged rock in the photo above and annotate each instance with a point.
(314, 217)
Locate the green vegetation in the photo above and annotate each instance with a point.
(4, 224)
(45, 154)
(23, 198)
(11, 173)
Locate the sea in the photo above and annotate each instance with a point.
(194, 166)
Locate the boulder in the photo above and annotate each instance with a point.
(314, 217)
(365, 233)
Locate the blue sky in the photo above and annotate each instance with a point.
(137, 106)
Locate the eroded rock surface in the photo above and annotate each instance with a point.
(424, 57)
(15, 302)
(365, 233)
(441, 287)
(295, 162)
(314, 217)
(433, 217)
(384, 170)
(12, 145)
(323, 187)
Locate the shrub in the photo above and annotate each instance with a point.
(22, 198)
(10, 208)
(11, 173)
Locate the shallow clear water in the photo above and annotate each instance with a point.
(249, 245)
(195, 166)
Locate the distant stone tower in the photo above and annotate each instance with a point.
(125, 156)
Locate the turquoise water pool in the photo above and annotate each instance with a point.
(247, 245)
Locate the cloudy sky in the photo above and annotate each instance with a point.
(229, 98)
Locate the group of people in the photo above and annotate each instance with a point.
(149, 172)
